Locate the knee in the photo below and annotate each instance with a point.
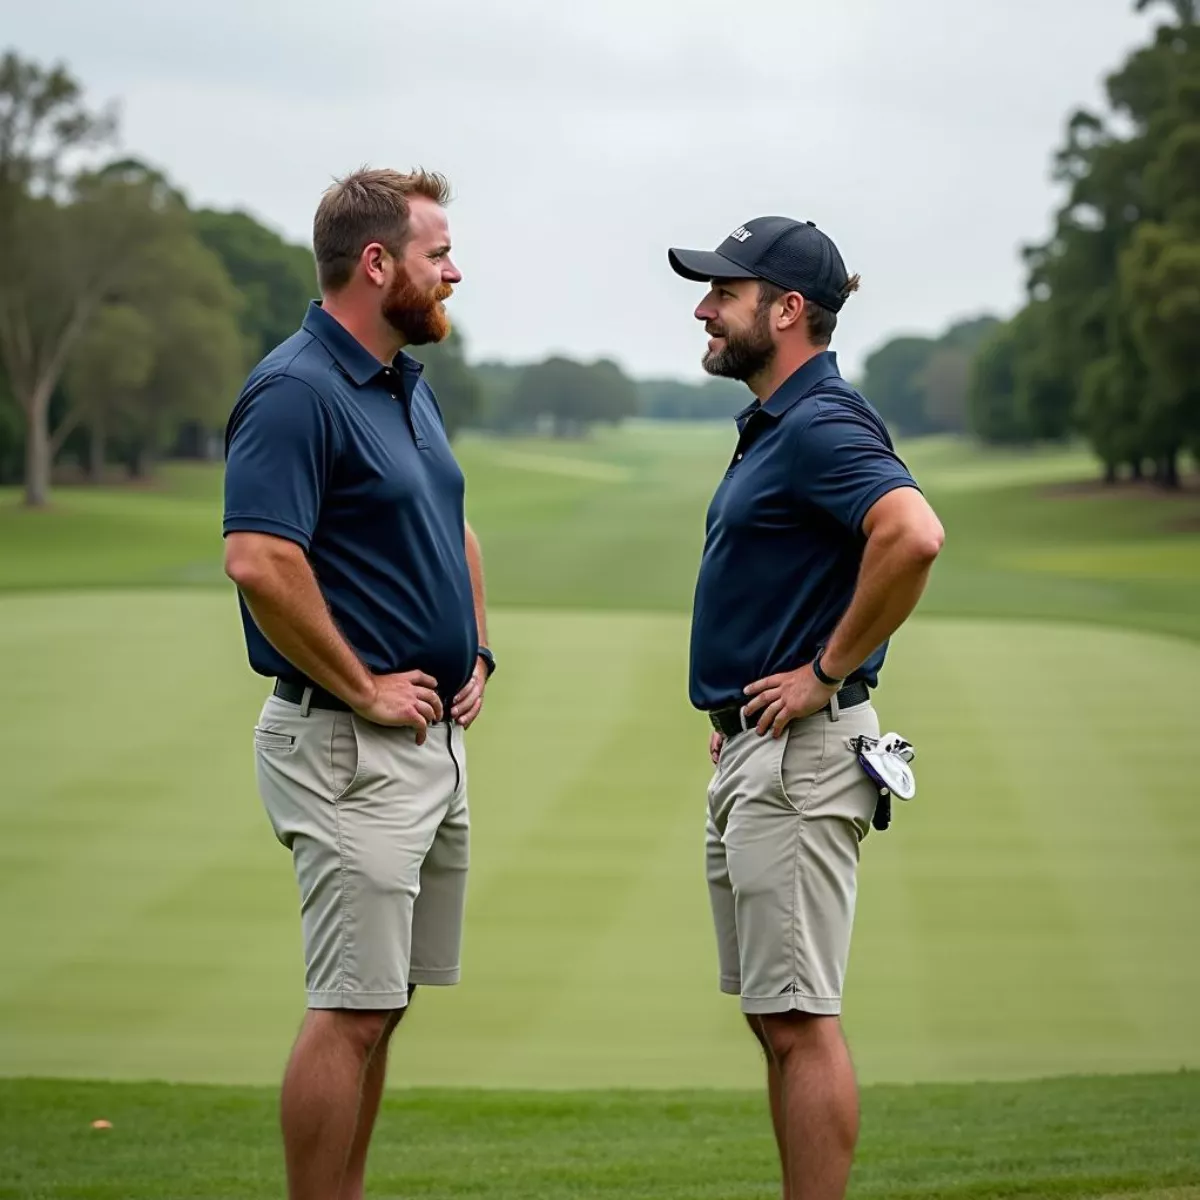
(756, 1028)
(787, 1034)
(363, 1031)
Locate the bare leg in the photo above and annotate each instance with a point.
(775, 1092)
(354, 1180)
(820, 1103)
(320, 1100)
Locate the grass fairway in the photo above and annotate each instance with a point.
(1013, 922)
(1028, 915)
(1133, 1137)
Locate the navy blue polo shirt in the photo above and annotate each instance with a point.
(784, 536)
(348, 458)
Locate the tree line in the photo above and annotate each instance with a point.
(1106, 346)
(128, 318)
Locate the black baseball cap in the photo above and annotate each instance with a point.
(794, 255)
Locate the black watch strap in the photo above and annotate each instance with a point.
(827, 679)
(489, 659)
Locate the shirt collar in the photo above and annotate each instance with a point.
(802, 382)
(348, 352)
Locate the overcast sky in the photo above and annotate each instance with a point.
(583, 139)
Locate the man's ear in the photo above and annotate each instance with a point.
(373, 259)
(791, 311)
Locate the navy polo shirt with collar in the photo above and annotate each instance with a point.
(348, 458)
(784, 536)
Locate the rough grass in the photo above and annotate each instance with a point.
(1129, 1137)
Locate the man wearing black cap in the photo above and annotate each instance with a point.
(818, 547)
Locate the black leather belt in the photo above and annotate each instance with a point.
(293, 693)
(729, 721)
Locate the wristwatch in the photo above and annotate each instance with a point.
(489, 660)
(827, 679)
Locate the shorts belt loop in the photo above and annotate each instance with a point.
(306, 702)
(833, 707)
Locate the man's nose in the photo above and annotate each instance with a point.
(450, 273)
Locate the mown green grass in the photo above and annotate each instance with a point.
(1028, 915)
(616, 521)
(1133, 1137)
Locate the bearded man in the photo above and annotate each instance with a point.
(360, 587)
(818, 545)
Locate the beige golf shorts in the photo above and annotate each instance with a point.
(379, 834)
(786, 818)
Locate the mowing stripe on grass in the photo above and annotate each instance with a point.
(1022, 917)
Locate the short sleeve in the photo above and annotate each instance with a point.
(280, 446)
(844, 464)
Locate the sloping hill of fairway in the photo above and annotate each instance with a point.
(1025, 915)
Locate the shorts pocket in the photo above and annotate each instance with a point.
(802, 760)
(345, 756)
(273, 741)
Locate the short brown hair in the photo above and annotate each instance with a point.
(367, 206)
(821, 321)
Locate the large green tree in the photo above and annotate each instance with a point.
(276, 278)
(70, 242)
(171, 352)
(1105, 343)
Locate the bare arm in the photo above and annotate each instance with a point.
(281, 591)
(904, 537)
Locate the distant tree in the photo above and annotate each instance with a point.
(1160, 276)
(110, 365)
(12, 436)
(70, 239)
(276, 278)
(943, 384)
(497, 387)
(1105, 344)
(679, 400)
(185, 353)
(573, 396)
(892, 382)
(608, 394)
(992, 408)
(1111, 414)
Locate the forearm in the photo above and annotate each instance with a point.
(891, 581)
(475, 565)
(286, 603)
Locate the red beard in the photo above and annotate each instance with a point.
(418, 316)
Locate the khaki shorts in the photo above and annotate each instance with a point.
(786, 817)
(379, 835)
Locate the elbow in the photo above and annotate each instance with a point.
(250, 569)
(925, 543)
(243, 570)
(915, 542)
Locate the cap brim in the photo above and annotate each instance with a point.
(703, 265)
